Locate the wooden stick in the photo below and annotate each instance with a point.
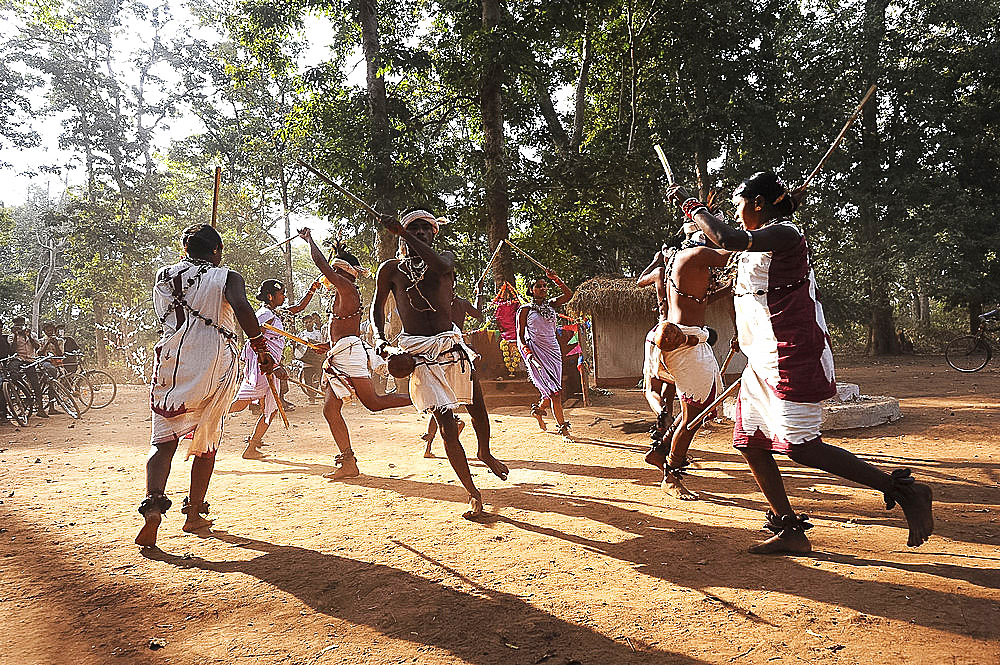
(526, 255)
(215, 194)
(279, 244)
(711, 407)
(277, 399)
(666, 165)
(492, 259)
(729, 357)
(305, 385)
(268, 326)
(348, 195)
(840, 136)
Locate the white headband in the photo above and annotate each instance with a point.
(413, 216)
(354, 271)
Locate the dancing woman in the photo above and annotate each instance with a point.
(536, 340)
(789, 370)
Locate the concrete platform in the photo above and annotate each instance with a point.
(848, 410)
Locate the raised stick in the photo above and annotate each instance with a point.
(215, 194)
(268, 326)
(277, 398)
(347, 194)
(711, 407)
(526, 255)
(840, 136)
(492, 259)
(279, 244)
(666, 165)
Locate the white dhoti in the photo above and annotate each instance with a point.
(442, 378)
(653, 367)
(695, 369)
(349, 358)
(764, 420)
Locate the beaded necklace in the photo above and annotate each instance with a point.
(415, 269)
(344, 317)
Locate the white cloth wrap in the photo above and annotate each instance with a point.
(694, 368)
(195, 368)
(653, 367)
(349, 358)
(442, 379)
(781, 421)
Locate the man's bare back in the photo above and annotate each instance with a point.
(687, 283)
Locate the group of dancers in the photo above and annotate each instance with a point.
(779, 322)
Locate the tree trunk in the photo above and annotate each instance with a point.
(380, 144)
(287, 247)
(491, 105)
(882, 327)
(581, 90)
(975, 309)
(925, 309)
(100, 339)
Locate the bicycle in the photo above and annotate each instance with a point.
(104, 387)
(49, 384)
(77, 384)
(971, 353)
(17, 396)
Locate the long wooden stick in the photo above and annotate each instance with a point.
(488, 265)
(215, 194)
(277, 399)
(666, 165)
(526, 255)
(279, 244)
(305, 385)
(337, 186)
(840, 136)
(268, 326)
(711, 407)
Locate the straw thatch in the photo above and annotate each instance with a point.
(615, 296)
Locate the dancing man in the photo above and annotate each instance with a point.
(461, 309)
(539, 346)
(444, 377)
(195, 371)
(255, 386)
(345, 370)
(789, 370)
(657, 383)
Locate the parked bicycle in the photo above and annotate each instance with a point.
(104, 386)
(21, 396)
(971, 353)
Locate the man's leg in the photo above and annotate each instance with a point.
(256, 438)
(914, 498)
(557, 413)
(660, 397)
(791, 537)
(365, 390)
(432, 428)
(456, 457)
(238, 405)
(156, 502)
(195, 505)
(481, 425)
(347, 464)
(677, 457)
(36, 388)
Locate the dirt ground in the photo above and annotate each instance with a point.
(583, 559)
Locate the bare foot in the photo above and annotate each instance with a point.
(919, 514)
(498, 468)
(461, 425)
(656, 457)
(538, 412)
(475, 508)
(195, 523)
(348, 468)
(673, 486)
(794, 542)
(147, 534)
(427, 452)
(253, 453)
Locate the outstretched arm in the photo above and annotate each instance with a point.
(339, 281)
(304, 301)
(566, 294)
(768, 239)
(652, 271)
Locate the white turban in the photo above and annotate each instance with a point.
(413, 216)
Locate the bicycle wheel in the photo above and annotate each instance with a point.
(64, 398)
(104, 385)
(968, 353)
(82, 390)
(17, 403)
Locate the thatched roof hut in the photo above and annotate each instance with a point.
(614, 296)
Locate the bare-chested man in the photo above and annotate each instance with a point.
(345, 372)
(422, 282)
(685, 352)
(461, 309)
